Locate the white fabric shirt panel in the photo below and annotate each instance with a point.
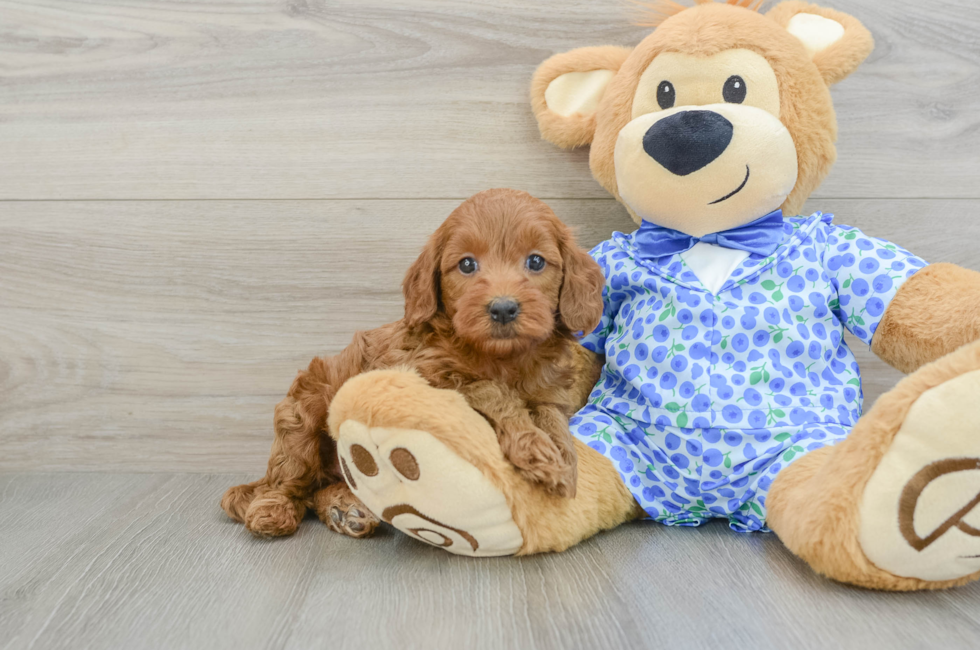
(713, 264)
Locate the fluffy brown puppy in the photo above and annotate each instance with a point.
(492, 306)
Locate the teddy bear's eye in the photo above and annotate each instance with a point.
(734, 90)
(665, 95)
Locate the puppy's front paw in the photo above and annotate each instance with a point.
(343, 513)
(273, 515)
(539, 460)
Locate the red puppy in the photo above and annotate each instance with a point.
(492, 306)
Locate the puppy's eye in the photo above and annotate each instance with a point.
(734, 90)
(535, 263)
(665, 95)
(468, 266)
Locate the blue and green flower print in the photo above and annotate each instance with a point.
(704, 397)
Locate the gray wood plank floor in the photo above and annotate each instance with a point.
(149, 561)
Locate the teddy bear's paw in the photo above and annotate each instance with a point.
(920, 511)
(416, 483)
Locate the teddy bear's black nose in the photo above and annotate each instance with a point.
(687, 141)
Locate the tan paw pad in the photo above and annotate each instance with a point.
(420, 486)
(920, 512)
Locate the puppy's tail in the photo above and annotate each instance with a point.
(237, 499)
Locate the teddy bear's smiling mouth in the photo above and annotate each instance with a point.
(737, 190)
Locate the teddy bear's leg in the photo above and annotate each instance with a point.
(896, 505)
(421, 459)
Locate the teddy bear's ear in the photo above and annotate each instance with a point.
(836, 42)
(566, 90)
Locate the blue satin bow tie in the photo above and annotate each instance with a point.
(762, 237)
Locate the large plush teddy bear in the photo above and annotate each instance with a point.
(727, 390)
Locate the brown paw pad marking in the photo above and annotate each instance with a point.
(404, 463)
(347, 475)
(913, 490)
(363, 460)
(428, 535)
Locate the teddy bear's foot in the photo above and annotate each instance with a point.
(920, 510)
(896, 505)
(424, 461)
(417, 484)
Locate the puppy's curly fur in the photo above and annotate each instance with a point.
(525, 375)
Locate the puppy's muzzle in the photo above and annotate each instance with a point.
(688, 141)
(503, 310)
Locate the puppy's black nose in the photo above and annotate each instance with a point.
(503, 310)
(687, 141)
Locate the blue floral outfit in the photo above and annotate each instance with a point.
(705, 397)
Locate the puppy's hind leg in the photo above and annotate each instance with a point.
(343, 513)
(237, 499)
(295, 464)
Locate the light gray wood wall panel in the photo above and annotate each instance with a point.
(149, 561)
(158, 336)
(403, 99)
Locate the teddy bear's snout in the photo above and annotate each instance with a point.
(688, 141)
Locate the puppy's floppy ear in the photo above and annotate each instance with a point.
(421, 283)
(836, 42)
(566, 90)
(580, 301)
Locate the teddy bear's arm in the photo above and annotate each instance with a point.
(936, 311)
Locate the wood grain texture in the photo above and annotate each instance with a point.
(143, 561)
(404, 99)
(158, 336)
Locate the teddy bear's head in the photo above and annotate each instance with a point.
(718, 117)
